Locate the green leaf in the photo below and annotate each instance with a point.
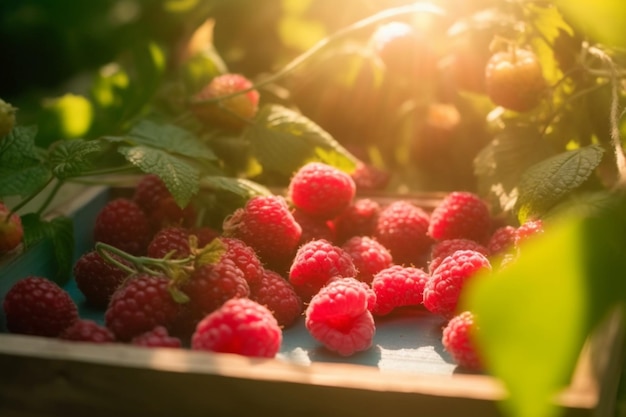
(22, 171)
(211, 253)
(547, 182)
(535, 314)
(597, 19)
(60, 231)
(239, 186)
(72, 158)
(499, 166)
(283, 140)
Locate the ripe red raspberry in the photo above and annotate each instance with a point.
(315, 263)
(141, 304)
(83, 330)
(11, 229)
(444, 248)
(321, 190)
(37, 306)
(458, 341)
(502, 240)
(267, 225)
(240, 326)
(461, 214)
(121, 223)
(279, 296)
(339, 316)
(211, 285)
(204, 234)
(402, 228)
(232, 113)
(398, 286)
(313, 228)
(97, 279)
(368, 177)
(155, 199)
(244, 257)
(443, 289)
(157, 337)
(173, 239)
(358, 219)
(527, 230)
(368, 255)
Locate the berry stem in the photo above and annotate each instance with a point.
(384, 15)
(152, 266)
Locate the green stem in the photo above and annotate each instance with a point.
(50, 197)
(384, 15)
(30, 197)
(141, 263)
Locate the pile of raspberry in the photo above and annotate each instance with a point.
(320, 255)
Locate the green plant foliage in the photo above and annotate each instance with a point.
(239, 186)
(73, 158)
(597, 19)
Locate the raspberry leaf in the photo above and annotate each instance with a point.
(239, 186)
(211, 253)
(284, 140)
(546, 183)
(72, 158)
(21, 169)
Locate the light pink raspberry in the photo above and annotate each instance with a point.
(398, 286)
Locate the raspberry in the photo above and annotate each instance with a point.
(240, 326)
(232, 113)
(502, 240)
(267, 225)
(11, 229)
(401, 227)
(313, 228)
(315, 263)
(7, 118)
(155, 199)
(244, 257)
(368, 256)
(368, 177)
(157, 337)
(398, 286)
(458, 341)
(461, 214)
(211, 285)
(527, 230)
(204, 234)
(358, 219)
(172, 239)
(121, 223)
(321, 190)
(97, 279)
(444, 248)
(339, 316)
(279, 296)
(83, 330)
(143, 303)
(443, 289)
(37, 306)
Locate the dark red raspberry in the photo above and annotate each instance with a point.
(140, 305)
(461, 214)
(211, 285)
(97, 279)
(244, 257)
(369, 177)
(174, 239)
(527, 230)
(358, 219)
(121, 223)
(313, 228)
(339, 316)
(11, 229)
(398, 286)
(157, 337)
(443, 289)
(444, 248)
(83, 330)
(279, 296)
(458, 340)
(239, 326)
(315, 263)
(155, 199)
(37, 306)
(267, 225)
(321, 190)
(368, 255)
(502, 241)
(204, 234)
(402, 228)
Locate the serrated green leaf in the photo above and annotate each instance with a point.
(546, 183)
(211, 253)
(22, 171)
(499, 166)
(283, 140)
(239, 186)
(72, 158)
